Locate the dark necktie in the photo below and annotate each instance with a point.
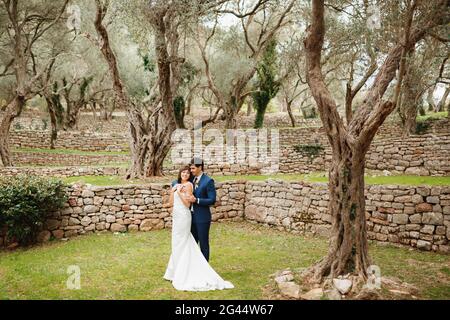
(195, 182)
(195, 185)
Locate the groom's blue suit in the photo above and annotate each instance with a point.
(205, 193)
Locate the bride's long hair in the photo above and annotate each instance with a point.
(184, 168)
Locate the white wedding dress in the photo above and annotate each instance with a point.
(188, 269)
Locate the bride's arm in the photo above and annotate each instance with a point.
(186, 194)
(170, 203)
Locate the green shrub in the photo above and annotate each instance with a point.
(309, 150)
(44, 124)
(25, 202)
(179, 110)
(422, 127)
(17, 126)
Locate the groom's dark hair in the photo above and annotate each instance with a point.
(198, 162)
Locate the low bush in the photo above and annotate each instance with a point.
(25, 202)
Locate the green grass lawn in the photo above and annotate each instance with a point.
(131, 265)
(313, 177)
(433, 116)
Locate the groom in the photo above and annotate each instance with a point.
(204, 196)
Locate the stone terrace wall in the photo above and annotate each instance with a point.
(119, 123)
(418, 155)
(418, 217)
(63, 172)
(413, 216)
(390, 130)
(425, 155)
(88, 141)
(275, 120)
(49, 159)
(84, 141)
(99, 135)
(130, 208)
(75, 171)
(394, 128)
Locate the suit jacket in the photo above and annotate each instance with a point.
(206, 195)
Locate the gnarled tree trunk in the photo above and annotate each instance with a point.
(441, 105)
(408, 104)
(230, 114)
(164, 124)
(53, 122)
(13, 110)
(349, 143)
(249, 110)
(138, 140)
(26, 28)
(291, 115)
(72, 115)
(149, 144)
(137, 128)
(348, 242)
(430, 100)
(448, 110)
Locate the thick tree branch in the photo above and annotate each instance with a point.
(332, 122)
(372, 102)
(242, 15)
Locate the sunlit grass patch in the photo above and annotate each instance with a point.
(312, 177)
(131, 265)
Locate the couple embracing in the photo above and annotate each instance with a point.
(191, 196)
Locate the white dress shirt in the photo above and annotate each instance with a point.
(197, 181)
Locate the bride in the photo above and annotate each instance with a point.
(188, 269)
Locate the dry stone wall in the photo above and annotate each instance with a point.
(424, 155)
(76, 140)
(50, 159)
(414, 216)
(427, 154)
(63, 172)
(418, 217)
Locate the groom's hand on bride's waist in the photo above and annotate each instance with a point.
(192, 199)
